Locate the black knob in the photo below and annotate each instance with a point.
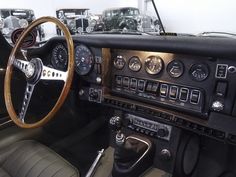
(162, 132)
(115, 123)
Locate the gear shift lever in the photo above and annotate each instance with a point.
(133, 154)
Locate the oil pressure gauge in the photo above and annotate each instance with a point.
(199, 72)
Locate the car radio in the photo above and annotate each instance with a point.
(148, 127)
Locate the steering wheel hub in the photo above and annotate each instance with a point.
(30, 70)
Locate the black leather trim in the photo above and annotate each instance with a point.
(31, 159)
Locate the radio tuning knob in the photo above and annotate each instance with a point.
(162, 132)
(217, 106)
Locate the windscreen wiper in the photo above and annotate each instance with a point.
(158, 16)
(217, 34)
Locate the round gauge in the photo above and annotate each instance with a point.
(199, 72)
(119, 62)
(153, 65)
(175, 68)
(59, 57)
(135, 64)
(84, 60)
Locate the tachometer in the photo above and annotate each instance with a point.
(135, 64)
(84, 60)
(153, 65)
(59, 58)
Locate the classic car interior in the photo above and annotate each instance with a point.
(122, 106)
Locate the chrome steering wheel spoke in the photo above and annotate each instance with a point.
(53, 74)
(26, 100)
(20, 64)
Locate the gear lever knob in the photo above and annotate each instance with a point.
(115, 123)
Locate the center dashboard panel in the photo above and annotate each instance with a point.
(164, 79)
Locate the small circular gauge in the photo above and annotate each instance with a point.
(175, 68)
(84, 60)
(153, 65)
(199, 72)
(59, 58)
(119, 62)
(135, 64)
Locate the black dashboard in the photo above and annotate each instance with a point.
(186, 82)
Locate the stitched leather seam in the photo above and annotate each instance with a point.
(32, 155)
(36, 164)
(19, 149)
(56, 172)
(47, 167)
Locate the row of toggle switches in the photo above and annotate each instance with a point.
(164, 90)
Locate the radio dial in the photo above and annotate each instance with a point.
(162, 132)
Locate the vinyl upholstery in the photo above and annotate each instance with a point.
(31, 159)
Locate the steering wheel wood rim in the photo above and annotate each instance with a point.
(67, 82)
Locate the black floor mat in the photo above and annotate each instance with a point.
(83, 153)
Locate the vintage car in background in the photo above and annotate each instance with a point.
(129, 18)
(13, 19)
(77, 20)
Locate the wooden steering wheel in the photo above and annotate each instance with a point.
(35, 71)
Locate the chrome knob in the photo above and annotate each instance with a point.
(217, 106)
(165, 154)
(120, 138)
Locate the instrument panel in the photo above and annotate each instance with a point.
(179, 82)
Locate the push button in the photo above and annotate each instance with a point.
(183, 96)
(173, 92)
(164, 90)
(195, 96)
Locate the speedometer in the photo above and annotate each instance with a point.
(59, 58)
(84, 60)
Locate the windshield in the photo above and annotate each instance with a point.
(179, 17)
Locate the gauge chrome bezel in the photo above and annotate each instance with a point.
(119, 57)
(139, 62)
(169, 68)
(160, 61)
(90, 65)
(54, 57)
